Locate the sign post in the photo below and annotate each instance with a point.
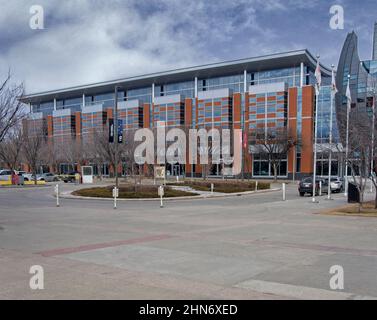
(115, 195)
(159, 173)
(57, 195)
(161, 194)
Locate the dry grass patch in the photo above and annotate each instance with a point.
(367, 210)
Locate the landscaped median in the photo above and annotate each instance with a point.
(227, 186)
(191, 189)
(129, 191)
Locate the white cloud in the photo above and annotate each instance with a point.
(89, 41)
(92, 40)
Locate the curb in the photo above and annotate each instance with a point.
(26, 186)
(68, 195)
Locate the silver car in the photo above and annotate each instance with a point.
(48, 177)
(336, 184)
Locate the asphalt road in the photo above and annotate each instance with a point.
(246, 247)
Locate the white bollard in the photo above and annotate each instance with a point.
(115, 195)
(256, 185)
(320, 187)
(212, 186)
(57, 195)
(161, 194)
(177, 179)
(284, 192)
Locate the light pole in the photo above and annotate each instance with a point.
(373, 128)
(318, 85)
(333, 92)
(347, 134)
(116, 136)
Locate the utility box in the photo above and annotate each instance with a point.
(353, 193)
(87, 174)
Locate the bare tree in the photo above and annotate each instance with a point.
(273, 144)
(373, 154)
(104, 149)
(33, 143)
(359, 156)
(69, 149)
(127, 156)
(11, 109)
(11, 148)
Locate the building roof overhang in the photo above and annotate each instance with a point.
(267, 62)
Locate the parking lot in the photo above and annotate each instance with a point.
(246, 247)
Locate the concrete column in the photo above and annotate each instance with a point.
(245, 81)
(196, 87)
(152, 92)
(54, 104)
(83, 100)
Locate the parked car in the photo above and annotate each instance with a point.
(336, 184)
(15, 176)
(30, 177)
(49, 177)
(306, 186)
(5, 174)
(70, 177)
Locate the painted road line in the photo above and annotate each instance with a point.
(96, 246)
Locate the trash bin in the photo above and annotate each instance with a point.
(21, 179)
(353, 193)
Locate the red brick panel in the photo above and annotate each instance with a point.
(292, 125)
(307, 129)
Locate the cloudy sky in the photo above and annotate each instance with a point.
(86, 41)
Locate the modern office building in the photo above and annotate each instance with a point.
(273, 91)
(362, 76)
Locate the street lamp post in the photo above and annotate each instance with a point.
(116, 136)
(315, 132)
(372, 149)
(330, 135)
(347, 134)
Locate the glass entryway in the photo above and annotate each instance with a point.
(262, 167)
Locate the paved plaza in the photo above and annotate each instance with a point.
(244, 247)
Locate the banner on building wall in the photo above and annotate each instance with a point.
(120, 130)
(112, 130)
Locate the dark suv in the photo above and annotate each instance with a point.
(306, 186)
(70, 177)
